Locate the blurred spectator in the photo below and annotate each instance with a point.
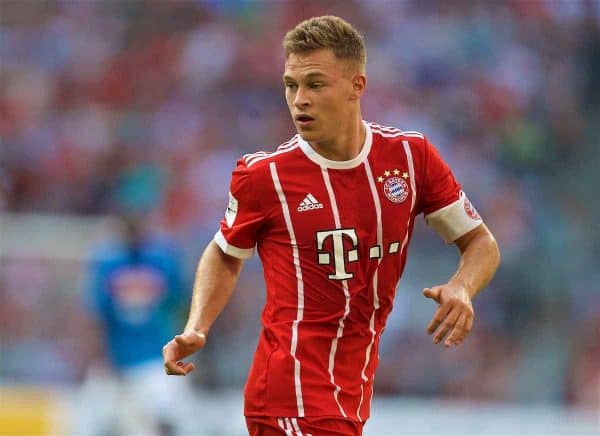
(134, 293)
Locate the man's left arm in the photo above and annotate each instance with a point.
(479, 260)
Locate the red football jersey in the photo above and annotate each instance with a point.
(332, 237)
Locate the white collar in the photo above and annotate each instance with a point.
(338, 164)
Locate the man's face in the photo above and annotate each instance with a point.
(319, 92)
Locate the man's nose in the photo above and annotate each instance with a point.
(301, 99)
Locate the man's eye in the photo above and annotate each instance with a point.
(315, 85)
(291, 85)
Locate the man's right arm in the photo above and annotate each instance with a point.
(215, 280)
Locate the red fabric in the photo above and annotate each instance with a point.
(279, 385)
(438, 184)
(277, 426)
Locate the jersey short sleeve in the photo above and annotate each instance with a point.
(445, 206)
(243, 218)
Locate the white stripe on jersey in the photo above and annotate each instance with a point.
(280, 423)
(397, 134)
(385, 128)
(340, 331)
(300, 312)
(296, 426)
(288, 427)
(412, 132)
(392, 132)
(375, 282)
(284, 148)
(251, 156)
(411, 172)
(413, 189)
(388, 135)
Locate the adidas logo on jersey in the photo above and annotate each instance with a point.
(309, 203)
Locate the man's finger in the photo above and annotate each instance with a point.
(433, 293)
(458, 332)
(169, 352)
(438, 318)
(446, 325)
(171, 368)
(187, 367)
(469, 325)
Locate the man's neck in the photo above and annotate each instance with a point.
(345, 146)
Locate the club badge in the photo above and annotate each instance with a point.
(395, 186)
(470, 209)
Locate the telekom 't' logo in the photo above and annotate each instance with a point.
(339, 253)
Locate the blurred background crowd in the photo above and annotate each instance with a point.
(143, 107)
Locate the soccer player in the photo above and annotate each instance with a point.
(135, 291)
(331, 214)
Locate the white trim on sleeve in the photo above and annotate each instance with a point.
(240, 253)
(454, 220)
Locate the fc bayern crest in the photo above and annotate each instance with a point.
(396, 189)
(470, 210)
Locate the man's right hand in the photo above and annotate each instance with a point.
(180, 347)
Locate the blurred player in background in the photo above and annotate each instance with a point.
(331, 213)
(135, 291)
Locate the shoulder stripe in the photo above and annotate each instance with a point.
(414, 133)
(282, 150)
(288, 143)
(387, 135)
(393, 130)
(397, 133)
(387, 129)
(250, 156)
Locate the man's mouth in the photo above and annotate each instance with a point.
(304, 119)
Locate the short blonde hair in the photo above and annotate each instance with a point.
(328, 32)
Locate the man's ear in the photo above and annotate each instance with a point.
(359, 85)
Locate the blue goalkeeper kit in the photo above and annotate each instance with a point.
(135, 291)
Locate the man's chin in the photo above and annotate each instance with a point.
(307, 135)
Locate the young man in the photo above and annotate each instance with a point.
(331, 213)
(134, 292)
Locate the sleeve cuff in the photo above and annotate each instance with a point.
(227, 248)
(455, 219)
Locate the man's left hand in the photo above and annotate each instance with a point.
(455, 313)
